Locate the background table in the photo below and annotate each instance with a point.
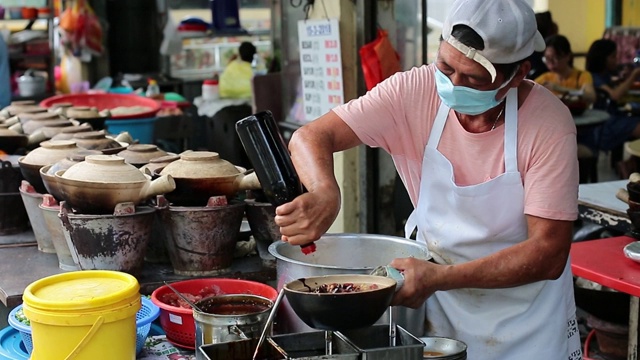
(23, 265)
(591, 117)
(603, 261)
(597, 203)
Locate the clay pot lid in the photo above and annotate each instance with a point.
(77, 129)
(164, 159)
(23, 102)
(4, 132)
(60, 105)
(140, 154)
(143, 148)
(56, 123)
(58, 144)
(44, 116)
(91, 135)
(50, 152)
(25, 109)
(82, 154)
(200, 164)
(104, 169)
(71, 160)
(82, 112)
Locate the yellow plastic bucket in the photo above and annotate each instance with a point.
(83, 315)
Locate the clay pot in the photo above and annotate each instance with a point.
(200, 175)
(141, 154)
(82, 112)
(50, 183)
(47, 173)
(200, 164)
(99, 183)
(13, 110)
(45, 115)
(48, 153)
(60, 108)
(10, 141)
(155, 165)
(97, 140)
(30, 126)
(71, 160)
(67, 133)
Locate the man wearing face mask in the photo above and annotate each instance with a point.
(489, 161)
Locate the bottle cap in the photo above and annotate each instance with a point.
(211, 82)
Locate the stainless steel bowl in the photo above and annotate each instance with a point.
(345, 254)
(442, 348)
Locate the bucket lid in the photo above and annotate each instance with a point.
(78, 290)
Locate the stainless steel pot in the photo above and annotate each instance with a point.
(229, 318)
(345, 254)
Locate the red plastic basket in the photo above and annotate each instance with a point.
(107, 101)
(178, 323)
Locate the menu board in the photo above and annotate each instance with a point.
(320, 66)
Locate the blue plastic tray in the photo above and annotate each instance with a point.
(11, 346)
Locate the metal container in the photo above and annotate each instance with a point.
(374, 343)
(13, 215)
(242, 316)
(261, 219)
(442, 348)
(345, 254)
(200, 240)
(235, 350)
(312, 345)
(54, 227)
(32, 200)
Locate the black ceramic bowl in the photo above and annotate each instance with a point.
(340, 311)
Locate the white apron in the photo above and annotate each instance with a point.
(460, 224)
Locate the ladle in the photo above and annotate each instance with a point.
(272, 314)
(193, 306)
(397, 275)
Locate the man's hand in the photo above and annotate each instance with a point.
(420, 281)
(308, 216)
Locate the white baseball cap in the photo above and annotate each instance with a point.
(507, 27)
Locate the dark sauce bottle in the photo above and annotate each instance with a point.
(271, 160)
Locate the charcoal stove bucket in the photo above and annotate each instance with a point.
(108, 242)
(345, 254)
(200, 240)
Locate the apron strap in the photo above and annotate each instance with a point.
(411, 224)
(438, 126)
(511, 131)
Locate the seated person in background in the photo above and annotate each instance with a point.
(602, 63)
(546, 27)
(235, 80)
(562, 78)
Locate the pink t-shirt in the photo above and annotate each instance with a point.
(397, 115)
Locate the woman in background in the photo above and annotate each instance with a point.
(562, 78)
(602, 63)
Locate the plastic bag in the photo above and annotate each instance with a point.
(235, 81)
(81, 29)
(379, 60)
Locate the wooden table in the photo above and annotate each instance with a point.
(597, 203)
(603, 261)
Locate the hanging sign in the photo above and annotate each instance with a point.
(320, 66)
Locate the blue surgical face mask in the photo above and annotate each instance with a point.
(466, 100)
